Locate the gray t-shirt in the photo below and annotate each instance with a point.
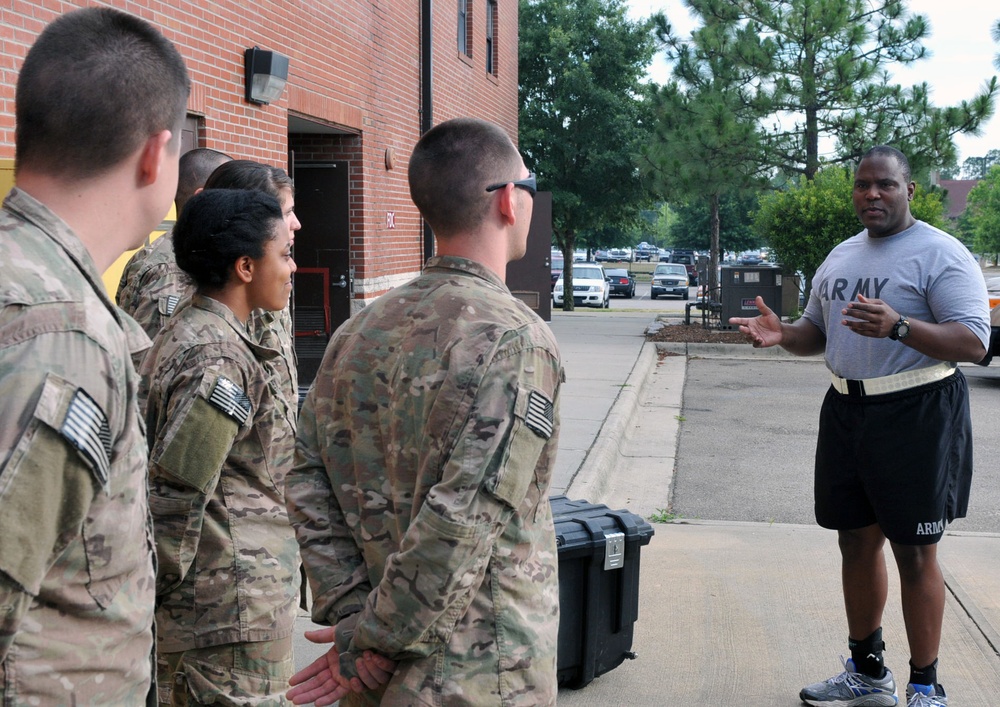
(922, 272)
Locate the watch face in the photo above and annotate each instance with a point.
(901, 330)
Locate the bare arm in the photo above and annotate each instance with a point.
(949, 341)
(801, 337)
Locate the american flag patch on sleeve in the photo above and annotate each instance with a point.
(540, 416)
(231, 400)
(170, 304)
(86, 428)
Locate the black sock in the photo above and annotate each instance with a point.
(867, 654)
(924, 676)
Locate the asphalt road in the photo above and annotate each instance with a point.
(748, 438)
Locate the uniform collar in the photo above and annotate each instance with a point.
(219, 309)
(466, 266)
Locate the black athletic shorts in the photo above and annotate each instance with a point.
(902, 460)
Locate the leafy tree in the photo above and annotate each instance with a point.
(802, 224)
(979, 167)
(707, 145)
(983, 209)
(584, 114)
(692, 227)
(666, 217)
(824, 65)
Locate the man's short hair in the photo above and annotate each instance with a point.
(451, 166)
(94, 87)
(887, 151)
(195, 168)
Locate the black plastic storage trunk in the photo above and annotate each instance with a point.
(598, 587)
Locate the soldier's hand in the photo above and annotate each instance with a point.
(374, 670)
(320, 682)
(870, 317)
(762, 331)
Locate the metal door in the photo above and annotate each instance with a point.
(322, 253)
(530, 278)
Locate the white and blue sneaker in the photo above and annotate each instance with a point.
(852, 689)
(925, 696)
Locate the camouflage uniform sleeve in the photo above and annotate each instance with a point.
(444, 555)
(150, 297)
(200, 418)
(55, 447)
(338, 578)
(123, 292)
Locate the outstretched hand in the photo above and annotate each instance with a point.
(761, 331)
(321, 682)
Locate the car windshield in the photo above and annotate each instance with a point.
(614, 272)
(670, 270)
(584, 273)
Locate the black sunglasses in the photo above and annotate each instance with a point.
(528, 184)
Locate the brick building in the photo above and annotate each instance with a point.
(359, 94)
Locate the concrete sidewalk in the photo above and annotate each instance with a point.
(747, 613)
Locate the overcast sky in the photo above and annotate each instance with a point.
(960, 47)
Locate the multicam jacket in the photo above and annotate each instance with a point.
(152, 286)
(76, 553)
(420, 491)
(220, 446)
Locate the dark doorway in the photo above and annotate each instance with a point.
(530, 278)
(322, 252)
(189, 134)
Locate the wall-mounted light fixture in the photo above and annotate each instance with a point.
(266, 74)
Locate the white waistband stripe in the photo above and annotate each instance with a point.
(893, 383)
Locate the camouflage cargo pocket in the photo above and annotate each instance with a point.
(231, 687)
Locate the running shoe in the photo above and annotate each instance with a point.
(852, 689)
(925, 696)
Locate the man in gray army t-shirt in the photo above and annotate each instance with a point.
(892, 309)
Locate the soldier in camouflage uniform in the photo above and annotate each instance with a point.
(424, 455)
(270, 329)
(152, 285)
(76, 553)
(221, 441)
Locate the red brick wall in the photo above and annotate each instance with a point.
(355, 65)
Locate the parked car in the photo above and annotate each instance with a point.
(750, 258)
(670, 279)
(993, 289)
(621, 281)
(557, 268)
(646, 252)
(619, 255)
(689, 259)
(664, 256)
(590, 287)
(601, 256)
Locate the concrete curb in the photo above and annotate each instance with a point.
(592, 480)
(728, 351)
